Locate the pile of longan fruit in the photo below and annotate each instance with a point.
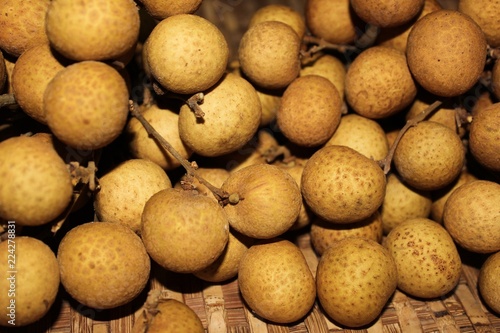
(132, 132)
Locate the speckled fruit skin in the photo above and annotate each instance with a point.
(387, 13)
(174, 317)
(310, 111)
(429, 156)
(276, 282)
(36, 184)
(124, 190)
(378, 83)
(36, 279)
(175, 225)
(92, 29)
(355, 279)
(329, 67)
(232, 113)
(269, 54)
(22, 25)
(472, 218)
(488, 282)
(86, 105)
(282, 13)
(485, 14)
(33, 71)
(160, 9)
(271, 201)
(362, 134)
(484, 137)
(342, 186)
(428, 262)
(103, 264)
(187, 53)
(438, 42)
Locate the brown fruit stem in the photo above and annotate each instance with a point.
(193, 102)
(386, 162)
(493, 53)
(321, 44)
(7, 100)
(190, 169)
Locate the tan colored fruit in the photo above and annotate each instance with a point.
(124, 190)
(397, 37)
(103, 265)
(441, 196)
(342, 186)
(174, 230)
(428, 262)
(227, 265)
(485, 14)
(429, 156)
(438, 42)
(362, 134)
(378, 83)
(232, 114)
(215, 176)
(488, 282)
(484, 137)
(403, 202)
(281, 13)
(269, 54)
(391, 136)
(86, 105)
(33, 71)
(472, 218)
(9, 68)
(264, 201)
(495, 79)
(484, 100)
(36, 185)
(22, 25)
(329, 67)
(187, 53)
(325, 234)
(30, 286)
(276, 282)
(165, 120)
(172, 316)
(355, 279)
(310, 111)
(161, 9)
(387, 13)
(334, 21)
(92, 29)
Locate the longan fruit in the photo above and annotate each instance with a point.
(36, 184)
(484, 137)
(485, 14)
(173, 316)
(161, 9)
(437, 43)
(495, 79)
(378, 83)
(488, 282)
(33, 71)
(310, 111)
(387, 13)
(281, 13)
(93, 29)
(86, 105)
(269, 54)
(329, 67)
(187, 54)
(22, 25)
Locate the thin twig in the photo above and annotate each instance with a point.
(219, 194)
(7, 100)
(321, 44)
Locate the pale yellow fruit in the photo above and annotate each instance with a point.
(165, 120)
(172, 316)
(22, 25)
(29, 287)
(342, 186)
(488, 282)
(269, 54)
(362, 134)
(36, 184)
(472, 218)
(103, 265)
(276, 282)
(485, 14)
(187, 53)
(484, 137)
(428, 262)
(33, 71)
(355, 279)
(378, 83)
(124, 190)
(160, 9)
(86, 105)
(403, 202)
(329, 67)
(232, 114)
(264, 201)
(174, 230)
(387, 13)
(281, 13)
(92, 29)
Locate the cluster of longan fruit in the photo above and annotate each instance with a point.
(372, 126)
